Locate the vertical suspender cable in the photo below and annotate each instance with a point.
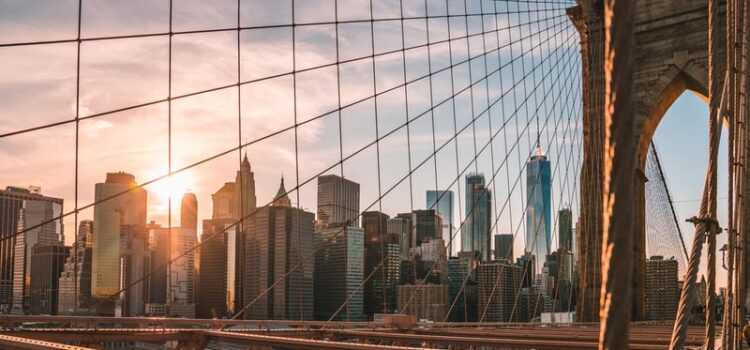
(619, 172)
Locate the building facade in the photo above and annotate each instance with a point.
(462, 287)
(404, 225)
(338, 201)
(504, 246)
(443, 202)
(173, 286)
(662, 288)
(120, 246)
(382, 261)
(24, 210)
(499, 283)
(426, 301)
(428, 226)
(279, 239)
(189, 211)
(47, 262)
(477, 226)
(538, 207)
(75, 280)
(339, 272)
(565, 229)
(216, 298)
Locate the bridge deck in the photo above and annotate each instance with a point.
(197, 334)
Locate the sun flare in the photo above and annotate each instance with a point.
(174, 186)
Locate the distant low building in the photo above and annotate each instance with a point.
(498, 284)
(661, 289)
(76, 275)
(426, 301)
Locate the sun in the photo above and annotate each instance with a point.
(172, 187)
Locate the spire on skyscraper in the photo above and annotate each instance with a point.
(245, 162)
(539, 150)
(282, 198)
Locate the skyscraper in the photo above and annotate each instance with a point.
(278, 239)
(382, 255)
(244, 205)
(26, 209)
(476, 231)
(443, 202)
(120, 245)
(403, 225)
(189, 211)
(339, 271)
(221, 257)
(47, 263)
(499, 283)
(172, 289)
(538, 208)
(565, 229)
(338, 201)
(428, 226)
(504, 246)
(462, 287)
(76, 275)
(216, 298)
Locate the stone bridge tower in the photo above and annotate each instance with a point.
(671, 56)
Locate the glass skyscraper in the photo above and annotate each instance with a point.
(338, 201)
(476, 230)
(120, 244)
(538, 208)
(23, 210)
(443, 202)
(339, 271)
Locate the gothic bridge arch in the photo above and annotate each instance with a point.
(671, 56)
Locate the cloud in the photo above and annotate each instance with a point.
(37, 86)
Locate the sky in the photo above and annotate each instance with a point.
(682, 141)
(533, 53)
(532, 90)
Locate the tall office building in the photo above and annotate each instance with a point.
(47, 263)
(75, 280)
(382, 255)
(172, 289)
(428, 226)
(221, 260)
(278, 239)
(538, 207)
(462, 287)
(338, 201)
(565, 229)
(504, 246)
(476, 231)
(566, 276)
(27, 209)
(443, 202)
(189, 211)
(662, 294)
(245, 204)
(217, 297)
(499, 284)
(120, 249)
(221, 256)
(339, 272)
(403, 225)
